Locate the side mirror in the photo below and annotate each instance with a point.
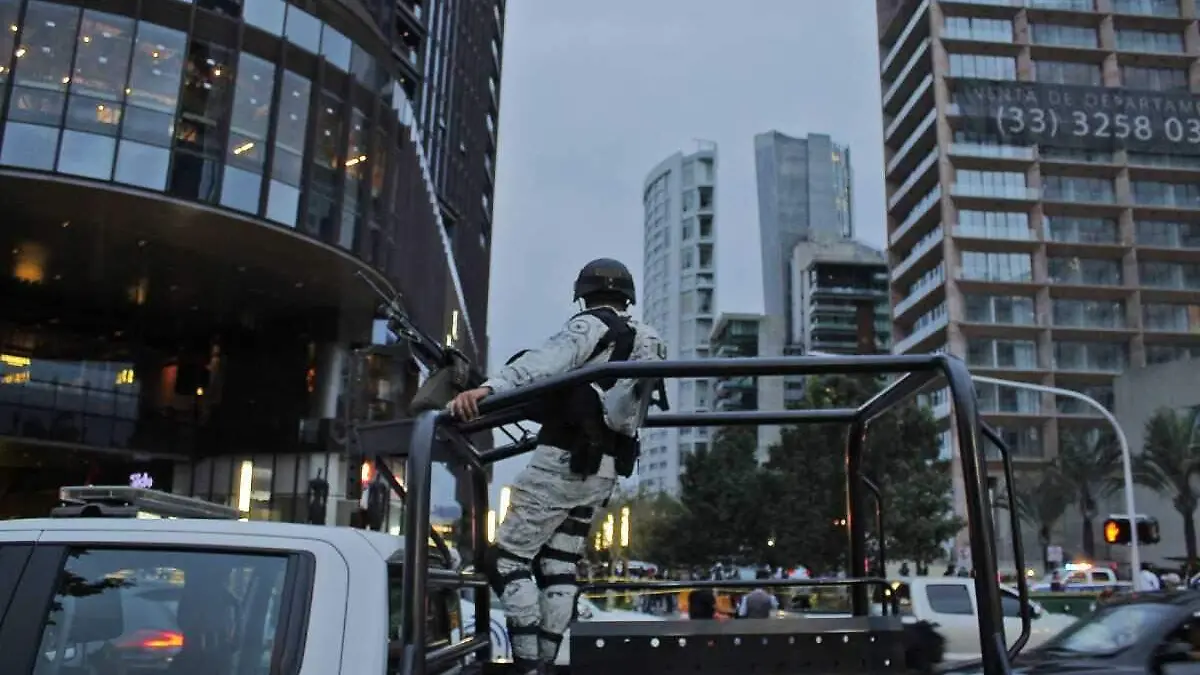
(1174, 652)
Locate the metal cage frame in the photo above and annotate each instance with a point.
(437, 433)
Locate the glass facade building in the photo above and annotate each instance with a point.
(1051, 265)
(196, 186)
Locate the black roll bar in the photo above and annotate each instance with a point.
(917, 370)
(1014, 523)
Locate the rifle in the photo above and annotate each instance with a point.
(450, 370)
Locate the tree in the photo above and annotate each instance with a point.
(807, 473)
(1086, 463)
(1041, 503)
(1170, 457)
(722, 509)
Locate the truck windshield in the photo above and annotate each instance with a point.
(132, 610)
(1111, 629)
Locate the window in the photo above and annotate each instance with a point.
(1076, 189)
(1155, 79)
(248, 134)
(992, 225)
(1016, 267)
(1149, 41)
(265, 14)
(1169, 234)
(1089, 313)
(1165, 194)
(949, 599)
(94, 108)
(118, 609)
(983, 67)
(41, 73)
(1085, 271)
(1067, 36)
(1080, 230)
(326, 162)
(994, 30)
(1001, 309)
(303, 29)
(199, 149)
(151, 97)
(1068, 72)
(291, 120)
(9, 11)
(1147, 7)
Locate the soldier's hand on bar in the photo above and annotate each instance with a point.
(465, 406)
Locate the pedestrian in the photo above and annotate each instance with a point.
(904, 571)
(1150, 580)
(758, 603)
(588, 437)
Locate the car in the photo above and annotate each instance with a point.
(587, 611)
(1155, 633)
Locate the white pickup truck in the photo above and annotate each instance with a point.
(949, 603)
(129, 595)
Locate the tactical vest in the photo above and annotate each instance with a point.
(574, 419)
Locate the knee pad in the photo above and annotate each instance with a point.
(498, 580)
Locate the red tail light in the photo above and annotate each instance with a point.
(151, 639)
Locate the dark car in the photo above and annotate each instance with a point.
(1153, 633)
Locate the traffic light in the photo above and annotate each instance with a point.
(1116, 530)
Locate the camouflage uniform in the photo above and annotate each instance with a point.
(544, 534)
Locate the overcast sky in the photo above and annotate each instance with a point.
(594, 94)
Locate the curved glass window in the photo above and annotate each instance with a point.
(265, 14)
(10, 10)
(97, 93)
(303, 29)
(326, 161)
(248, 126)
(335, 47)
(41, 73)
(155, 74)
(287, 166)
(205, 98)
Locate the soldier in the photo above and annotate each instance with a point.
(588, 438)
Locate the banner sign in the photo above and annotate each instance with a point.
(1090, 118)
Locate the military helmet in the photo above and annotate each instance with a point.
(605, 275)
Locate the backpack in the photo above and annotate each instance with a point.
(574, 419)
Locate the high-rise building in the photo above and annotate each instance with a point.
(831, 280)
(1042, 195)
(679, 296)
(803, 192)
(193, 189)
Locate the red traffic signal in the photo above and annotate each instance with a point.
(1117, 530)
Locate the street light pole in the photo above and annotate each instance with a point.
(1135, 556)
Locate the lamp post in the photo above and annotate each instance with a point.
(1135, 555)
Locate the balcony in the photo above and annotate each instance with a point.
(920, 140)
(899, 90)
(1163, 8)
(923, 208)
(916, 28)
(995, 233)
(920, 290)
(995, 191)
(921, 99)
(928, 243)
(920, 334)
(991, 151)
(921, 175)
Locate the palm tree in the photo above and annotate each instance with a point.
(1170, 456)
(1086, 463)
(1041, 504)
